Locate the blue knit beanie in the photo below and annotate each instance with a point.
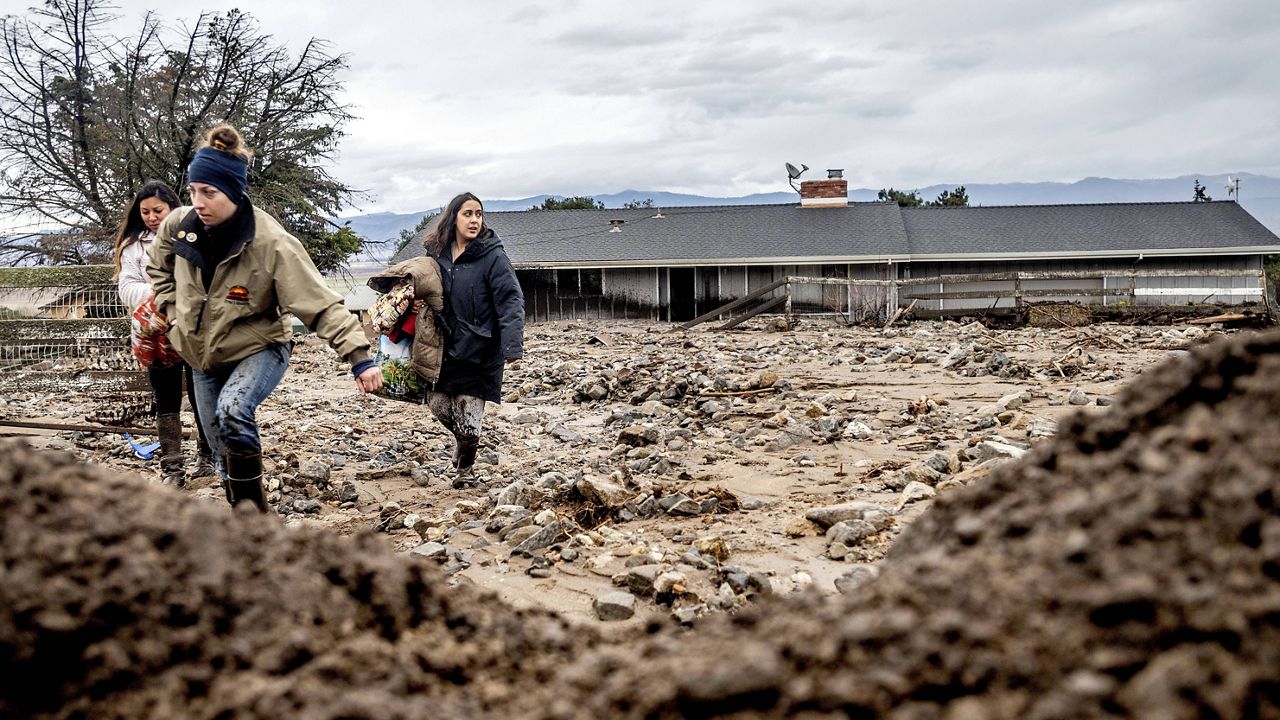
(223, 170)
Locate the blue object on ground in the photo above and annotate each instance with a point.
(142, 452)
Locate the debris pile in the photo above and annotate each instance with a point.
(1127, 567)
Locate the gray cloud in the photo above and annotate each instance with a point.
(569, 97)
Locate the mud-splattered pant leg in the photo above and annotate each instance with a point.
(462, 415)
(229, 399)
(167, 384)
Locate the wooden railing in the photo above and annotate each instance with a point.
(1126, 287)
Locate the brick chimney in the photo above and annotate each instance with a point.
(832, 192)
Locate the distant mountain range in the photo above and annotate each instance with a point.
(1259, 194)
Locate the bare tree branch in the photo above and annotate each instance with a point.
(86, 116)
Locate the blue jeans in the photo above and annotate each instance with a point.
(229, 399)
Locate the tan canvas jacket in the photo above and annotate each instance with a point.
(266, 276)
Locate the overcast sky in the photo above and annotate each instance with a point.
(573, 97)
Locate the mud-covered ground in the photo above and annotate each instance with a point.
(1127, 567)
(675, 467)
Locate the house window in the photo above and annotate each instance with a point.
(591, 282)
(580, 283)
(566, 282)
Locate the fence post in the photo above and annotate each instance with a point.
(1017, 290)
(1133, 290)
(891, 274)
(787, 307)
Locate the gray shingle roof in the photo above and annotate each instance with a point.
(778, 234)
(1079, 229)
(690, 234)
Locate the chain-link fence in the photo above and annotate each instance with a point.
(64, 331)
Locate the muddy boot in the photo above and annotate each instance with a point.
(169, 428)
(204, 466)
(244, 478)
(464, 460)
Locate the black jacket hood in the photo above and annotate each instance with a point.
(486, 242)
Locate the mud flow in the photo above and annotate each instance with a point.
(1128, 567)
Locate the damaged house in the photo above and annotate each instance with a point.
(676, 264)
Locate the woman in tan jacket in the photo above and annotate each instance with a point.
(227, 276)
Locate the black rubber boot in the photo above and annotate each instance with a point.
(464, 460)
(244, 477)
(169, 429)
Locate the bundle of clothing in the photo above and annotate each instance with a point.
(410, 346)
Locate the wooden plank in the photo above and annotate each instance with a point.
(851, 282)
(1073, 275)
(1197, 291)
(765, 307)
(1009, 293)
(1228, 317)
(72, 427)
(723, 309)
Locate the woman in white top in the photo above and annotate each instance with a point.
(137, 229)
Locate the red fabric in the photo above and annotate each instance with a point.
(405, 328)
(148, 338)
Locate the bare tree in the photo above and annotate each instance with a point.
(86, 117)
(47, 124)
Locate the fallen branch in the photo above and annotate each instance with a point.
(738, 393)
(68, 427)
(900, 312)
(1064, 324)
(998, 343)
(1228, 317)
(1073, 349)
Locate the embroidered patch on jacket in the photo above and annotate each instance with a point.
(238, 294)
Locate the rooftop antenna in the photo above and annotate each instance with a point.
(1233, 187)
(793, 174)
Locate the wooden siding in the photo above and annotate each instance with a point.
(1149, 290)
(676, 294)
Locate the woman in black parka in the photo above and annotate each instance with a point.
(484, 324)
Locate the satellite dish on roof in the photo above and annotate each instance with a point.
(793, 173)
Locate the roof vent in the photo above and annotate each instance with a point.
(617, 225)
(835, 174)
